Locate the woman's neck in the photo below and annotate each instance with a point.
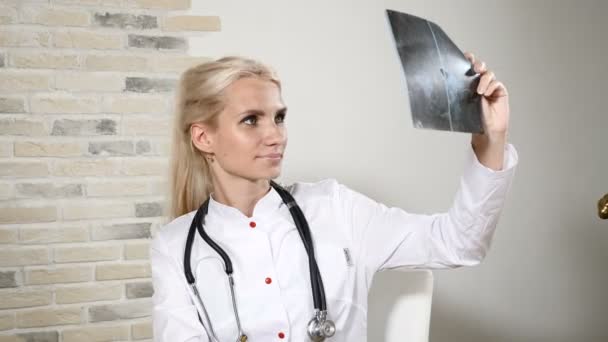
(240, 193)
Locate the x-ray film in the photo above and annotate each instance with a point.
(440, 81)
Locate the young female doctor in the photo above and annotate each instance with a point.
(247, 259)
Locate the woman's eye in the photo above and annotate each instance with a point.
(251, 117)
(281, 117)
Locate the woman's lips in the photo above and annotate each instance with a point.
(273, 156)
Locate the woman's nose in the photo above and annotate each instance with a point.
(275, 133)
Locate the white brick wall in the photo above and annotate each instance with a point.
(86, 88)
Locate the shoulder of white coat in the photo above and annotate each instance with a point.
(306, 191)
(173, 234)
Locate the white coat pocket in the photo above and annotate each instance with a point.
(336, 265)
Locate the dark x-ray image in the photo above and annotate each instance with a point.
(440, 80)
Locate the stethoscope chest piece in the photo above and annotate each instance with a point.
(320, 328)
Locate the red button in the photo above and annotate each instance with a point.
(281, 335)
(268, 280)
(252, 224)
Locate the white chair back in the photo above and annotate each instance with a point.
(399, 306)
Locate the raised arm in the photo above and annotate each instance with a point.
(390, 237)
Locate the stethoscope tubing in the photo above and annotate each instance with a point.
(198, 222)
(304, 232)
(302, 228)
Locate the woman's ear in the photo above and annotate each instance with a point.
(202, 137)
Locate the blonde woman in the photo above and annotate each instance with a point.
(245, 258)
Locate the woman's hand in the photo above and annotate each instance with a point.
(489, 146)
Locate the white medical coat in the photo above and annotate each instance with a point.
(354, 237)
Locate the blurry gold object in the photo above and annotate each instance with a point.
(602, 207)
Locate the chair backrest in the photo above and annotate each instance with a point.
(399, 306)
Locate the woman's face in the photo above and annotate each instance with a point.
(251, 137)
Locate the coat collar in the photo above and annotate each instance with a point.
(266, 207)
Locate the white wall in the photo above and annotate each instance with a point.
(545, 276)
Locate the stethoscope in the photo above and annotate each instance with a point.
(319, 327)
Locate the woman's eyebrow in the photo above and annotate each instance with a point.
(261, 112)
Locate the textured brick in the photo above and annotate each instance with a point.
(49, 317)
(7, 320)
(48, 190)
(163, 4)
(8, 279)
(13, 37)
(176, 63)
(53, 235)
(157, 42)
(86, 253)
(192, 23)
(141, 330)
(54, 16)
(101, 167)
(112, 148)
(64, 104)
(140, 167)
(42, 149)
(28, 215)
(23, 256)
(43, 60)
(87, 293)
(36, 336)
(149, 85)
(95, 210)
(139, 290)
(84, 127)
(84, 2)
(89, 81)
(122, 231)
(116, 63)
(8, 236)
(87, 40)
(143, 147)
(6, 190)
(12, 105)
(6, 150)
(112, 312)
(145, 104)
(23, 169)
(24, 298)
(125, 20)
(22, 127)
(21, 81)
(146, 126)
(96, 334)
(151, 209)
(72, 274)
(122, 271)
(8, 14)
(136, 251)
(128, 4)
(118, 188)
(108, 57)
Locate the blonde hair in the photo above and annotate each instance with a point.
(200, 98)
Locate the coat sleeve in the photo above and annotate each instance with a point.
(388, 237)
(174, 316)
